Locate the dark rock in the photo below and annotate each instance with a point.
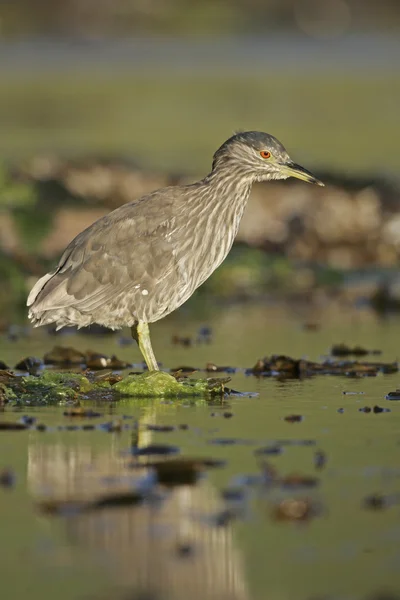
(64, 356)
(30, 364)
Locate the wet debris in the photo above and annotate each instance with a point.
(106, 379)
(66, 356)
(237, 394)
(293, 418)
(184, 550)
(113, 500)
(293, 482)
(13, 426)
(213, 368)
(296, 442)
(381, 501)
(225, 415)
(96, 361)
(269, 473)
(375, 409)
(320, 459)
(178, 340)
(352, 393)
(296, 482)
(269, 450)
(378, 409)
(204, 335)
(295, 509)
(344, 350)
(82, 412)
(224, 517)
(229, 441)
(290, 368)
(28, 420)
(115, 426)
(209, 368)
(7, 478)
(161, 428)
(154, 449)
(179, 471)
(393, 395)
(177, 371)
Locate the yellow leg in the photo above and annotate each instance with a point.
(141, 334)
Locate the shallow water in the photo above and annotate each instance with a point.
(192, 539)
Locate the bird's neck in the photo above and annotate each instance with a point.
(227, 193)
(216, 210)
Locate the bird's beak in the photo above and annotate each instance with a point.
(294, 170)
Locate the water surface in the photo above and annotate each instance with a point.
(222, 537)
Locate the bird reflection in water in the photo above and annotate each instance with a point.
(165, 549)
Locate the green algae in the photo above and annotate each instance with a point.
(47, 388)
(75, 381)
(160, 384)
(7, 394)
(53, 387)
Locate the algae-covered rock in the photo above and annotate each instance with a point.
(49, 387)
(75, 381)
(157, 383)
(52, 387)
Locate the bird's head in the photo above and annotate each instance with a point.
(259, 157)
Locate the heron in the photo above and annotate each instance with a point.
(143, 260)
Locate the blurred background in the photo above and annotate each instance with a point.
(104, 100)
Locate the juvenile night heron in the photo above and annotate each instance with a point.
(143, 260)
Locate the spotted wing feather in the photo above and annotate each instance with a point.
(113, 266)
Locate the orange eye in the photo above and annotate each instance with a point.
(265, 154)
